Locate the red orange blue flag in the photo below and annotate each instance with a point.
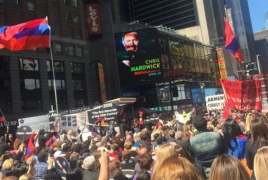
(29, 35)
(2, 117)
(52, 142)
(231, 43)
(30, 147)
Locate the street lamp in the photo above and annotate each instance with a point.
(258, 63)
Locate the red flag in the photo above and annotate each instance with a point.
(30, 147)
(52, 142)
(227, 112)
(231, 43)
(28, 35)
(2, 117)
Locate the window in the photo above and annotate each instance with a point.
(28, 64)
(78, 85)
(71, 50)
(76, 18)
(4, 84)
(69, 16)
(31, 105)
(44, 11)
(60, 84)
(74, 3)
(58, 48)
(80, 102)
(30, 84)
(77, 67)
(4, 63)
(58, 66)
(31, 6)
(77, 34)
(67, 2)
(79, 51)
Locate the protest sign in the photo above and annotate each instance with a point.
(215, 102)
(242, 95)
(104, 113)
(24, 133)
(36, 123)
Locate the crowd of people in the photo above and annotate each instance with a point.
(206, 147)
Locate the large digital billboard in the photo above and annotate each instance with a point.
(138, 57)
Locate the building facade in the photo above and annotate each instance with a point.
(261, 47)
(243, 28)
(26, 79)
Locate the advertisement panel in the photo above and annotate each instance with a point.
(93, 19)
(215, 102)
(242, 95)
(138, 57)
(102, 83)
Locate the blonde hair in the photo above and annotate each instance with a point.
(70, 132)
(261, 163)
(249, 118)
(162, 154)
(8, 164)
(178, 168)
(228, 167)
(25, 177)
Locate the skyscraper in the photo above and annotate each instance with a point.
(242, 27)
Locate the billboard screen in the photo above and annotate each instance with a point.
(138, 57)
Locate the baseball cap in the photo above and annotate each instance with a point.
(88, 162)
(58, 154)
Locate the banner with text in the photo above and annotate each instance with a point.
(103, 113)
(215, 102)
(242, 95)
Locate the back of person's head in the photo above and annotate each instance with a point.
(145, 161)
(89, 162)
(143, 175)
(261, 163)
(52, 174)
(182, 152)
(77, 148)
(42, 157)
(128, 145)
(76, 174)
(171, 133)
(162, 154)
(114, 147)
(159, 140)
(19, 169)
(155, 136)
(65, 147)
(258, 132)
(113, 165)
(177, 168)
(227, 167)
(126, 155)
(10, 178)
(144, 136)
(8, 164)
(26, 177)
(179, 135)
(117, 175)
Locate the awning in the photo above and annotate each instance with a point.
(122, 101)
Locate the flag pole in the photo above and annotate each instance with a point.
(53, 73)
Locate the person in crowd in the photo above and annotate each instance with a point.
(112, 131)
(128, 146)
(261, 163)
(97, 129)
(7, 167)
(213, 142)
(76, 174)
(143, 175)
(41, 166)
(145, 162)
(89, 166)
(178, 136)
(177, 168)
(127, 162)
(259, 138)
(162, 154)
(228, 167)
(3, 146)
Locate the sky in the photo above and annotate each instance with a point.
(257, 8)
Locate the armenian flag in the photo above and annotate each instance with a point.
(232, 44)
(29, 35)
(30, 147)
(2, 117)
(52, 142)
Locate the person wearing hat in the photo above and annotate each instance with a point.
(205, 145)
(90, 172)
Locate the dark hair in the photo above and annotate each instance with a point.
(156, 136)
(76, 174)
(42, 156)
(66, 147)
(77, 147)
(145, 161)
(19, 169)
(231, 129)
(52, 174)
(144, 136)
(182, 152)
(159, 140)
(258, 132)
(143, 175)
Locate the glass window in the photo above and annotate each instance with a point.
(31, 105)
(28, 64)
(31, 6)
(69, 16)
(71, 50)
(31, 84)
(4, 62)
(60, 84)
(58, 48)
(78, 85)
(79, 51)
(76, 33)
(67, 2)
(76, 18)
(58, 66)
(80, 102)
(77, 67)
(4, 84)
(74, 3)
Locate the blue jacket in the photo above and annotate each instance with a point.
(206, 146)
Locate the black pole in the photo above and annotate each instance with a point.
(171, 94)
